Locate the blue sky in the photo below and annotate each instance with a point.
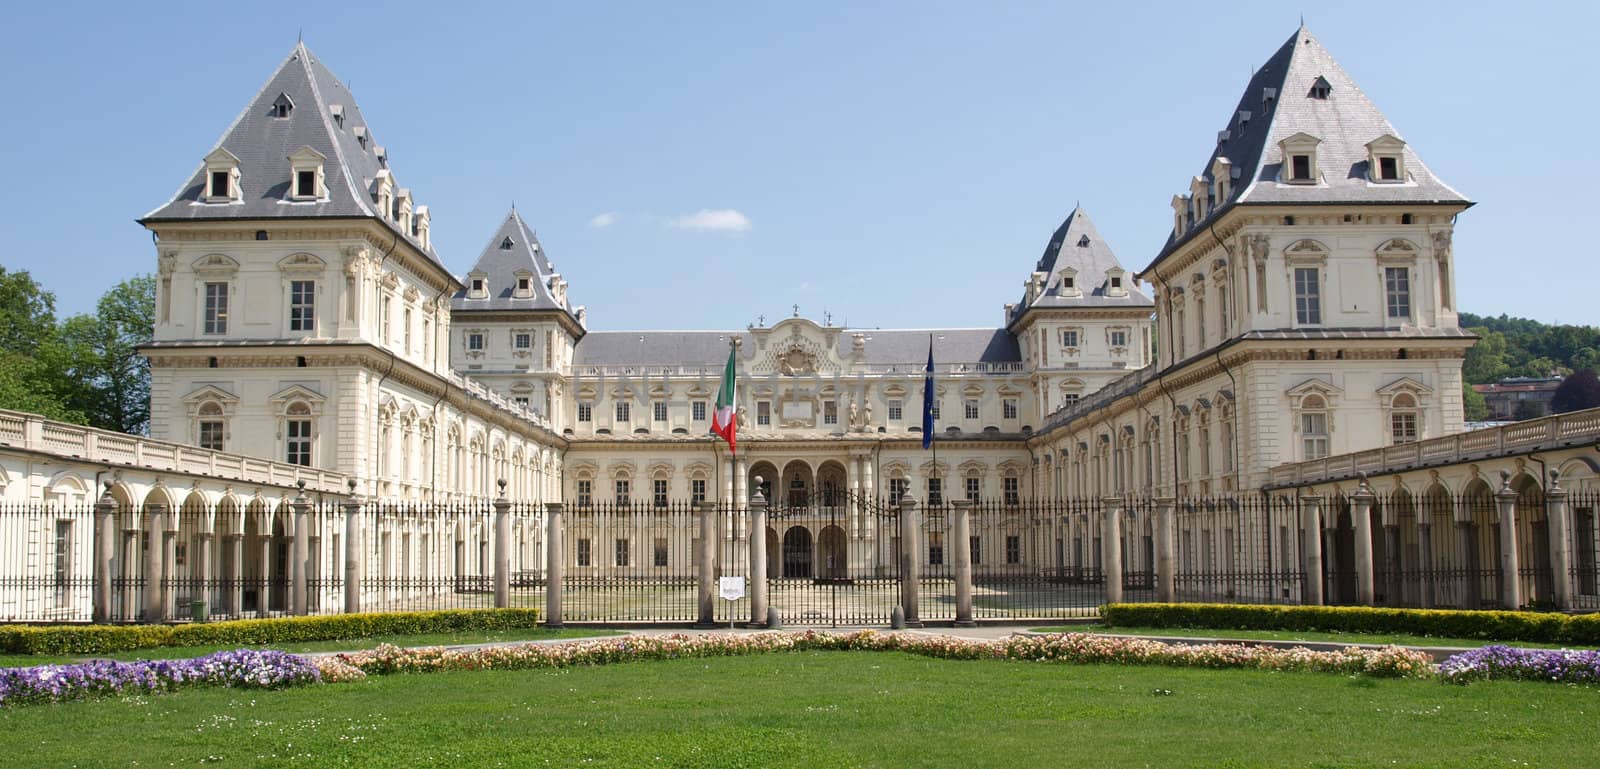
(897, 165)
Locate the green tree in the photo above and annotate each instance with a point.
(1486, 361)
(33, 374)
(1474, 407)
(102, 352)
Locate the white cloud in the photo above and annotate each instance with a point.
(712, 220)
(602, 221)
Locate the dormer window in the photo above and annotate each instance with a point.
(1386, 159)
(1300, 168)
(337, 112)
(524, 284)
(1114, 285)
(505, 245)
(402, 212)
(1068, 284)
(1116, 282)
(282, 106)
(420, 226)
(1320, 89)
(306, 174)
(477, 285)
(361, 135)
(1299, 159)
(222, 177)
(1083, 242)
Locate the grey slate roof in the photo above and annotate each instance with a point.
(513, 247)
(1077, 244)
(263, 144)
(1344, 122)
(710, 348)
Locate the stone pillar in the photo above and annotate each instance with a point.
(169, 565)
(727, 480)
(235, 579)
(155, 532)
(1510, 577)
(1333, 592)
(556, 563)
(502, 549)
(352, 553)
(203, 561)
(1311, 539)
(1166, 555)
(299, 552)
(758, 557)
(963, 547)
(132, 607)
(1559, 519)
(1111, 547)
(105, 548)
(1361, 517)
(708, 566)
(910, 560)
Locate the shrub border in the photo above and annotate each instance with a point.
(101, 639)
(1538, 627)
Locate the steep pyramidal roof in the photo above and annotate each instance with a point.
(1076, 244)
(302, 105)
(514, 249)
(1302, 89)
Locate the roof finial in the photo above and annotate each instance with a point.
(300, 36)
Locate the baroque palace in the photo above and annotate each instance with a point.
(1302, 306)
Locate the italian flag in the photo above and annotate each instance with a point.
(723, 422)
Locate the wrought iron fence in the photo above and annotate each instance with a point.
(1245, 549)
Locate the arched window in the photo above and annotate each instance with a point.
(1313, 427)
(297, 434)
(1403, 418)
(211, 432)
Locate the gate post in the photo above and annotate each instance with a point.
(105, 512)
(352, 552)
(1361, 513)
(1111, 548)
(1558, 516)
(555, 565)
(1166, 561)
(1510, 576)
(910, 560)
(963, 548)
(1311, 541)
(758, 556)
(299, 545)
(708, 565)
(502, 548)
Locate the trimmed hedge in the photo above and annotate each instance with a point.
(1486, 625)
(101, 639)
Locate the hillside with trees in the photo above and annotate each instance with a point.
(1519, 347)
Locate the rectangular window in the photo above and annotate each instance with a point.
(585, 552)
(935, 548)
(383, 321)
(658, 411)
(1008, 408)
(1314, 434)
(660, 555)
(219, 184)
(830, 412)
(585, 492)
(1069, 399)
(763, 413)
(622, 552)
(974, 544)
(211, 435)
(298, 443)
(895, 411)
(475, 342)
(1397, 287)
(935, 491)
(697, 490)
(624, 411)
(522, 400)
(216, 320)
(585, 411)
(1013, 549)
(897, 489)
(935, 410)
(1013, 495)
(305, 184)
(405, 330)
(1307, 296)
(522, 341)
(969, 408)
(697, 410)
(63, 555)
(1069, 337)
(1389, 169)
(302, 305)
(974, 486)
(1301, 168)
(427, 337)
(1403, 426)
(624, 492)
(658, 492)
(1119, 339)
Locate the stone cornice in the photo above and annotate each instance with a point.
(459, 316)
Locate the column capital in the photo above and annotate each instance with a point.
(554, 507)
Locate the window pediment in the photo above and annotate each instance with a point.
(216, 265)
(1321, 389)
(302, 263)
(296, 393)
(1306, 251)
(1398, 249)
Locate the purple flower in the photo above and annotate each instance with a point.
(244, 668)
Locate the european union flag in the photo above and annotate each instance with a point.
(927, 398)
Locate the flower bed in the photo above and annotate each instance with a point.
(1080, 648)
(243, 668)
(1504, 662)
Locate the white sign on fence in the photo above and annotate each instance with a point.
(732, 588)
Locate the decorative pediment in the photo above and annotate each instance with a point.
(296, 392)
(216, 264)
(1306, 250)
(1398, 249)
(302, 263)
(211, 393)
(931, 469)
(660, 470)
(307, 155)
(1418, 391)
(584, 469)
(973, 467)
(699, 470)
(1387, 143)
(620, 471)
(1327, 391)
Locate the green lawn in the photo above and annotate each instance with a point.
(1294, 635)
(429, 639)
(826, 709)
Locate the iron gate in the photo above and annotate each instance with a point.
(832, 559)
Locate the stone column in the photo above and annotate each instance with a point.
(708, 566)
(169, 565)
(963, 547)
(910, 560)
(555, 563)
(857, 504)
(1559, 519)
(352, 553)
(155, 532)
(1361, 516)
(1111, 547)
(758, 557)
(1333, 593)
(1166, 555)
(727, 480)
(1311, 539)
(299, 552)
(235, 577)
(203, 561)
(105, 534)
(132, 608)
(1510, 577)
(502, 549)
